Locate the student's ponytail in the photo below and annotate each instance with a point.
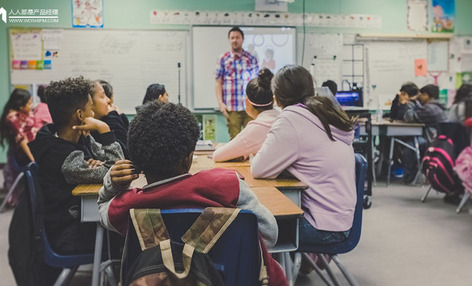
(328, 114)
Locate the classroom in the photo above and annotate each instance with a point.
(384, 58)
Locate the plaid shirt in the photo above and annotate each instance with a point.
(235, 72)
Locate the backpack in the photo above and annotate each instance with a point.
(166, 262)
(463, 167)
(438, 165)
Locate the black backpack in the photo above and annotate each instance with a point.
(438, 165)
(439, 158)
(166, 262)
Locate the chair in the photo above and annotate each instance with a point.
(237, 250)
(17, 169)
(354, 236)
(69, 263)
(364, 144)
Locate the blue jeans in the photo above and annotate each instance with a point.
(310, 235)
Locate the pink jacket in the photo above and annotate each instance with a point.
(298, 142)
(250, 140)
(41, 113)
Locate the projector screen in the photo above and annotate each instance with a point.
(274, 47)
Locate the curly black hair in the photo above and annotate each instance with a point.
(64, 97)
(161, 136)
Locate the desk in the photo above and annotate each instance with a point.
(291, 188)
(397, 129)
(285, 209)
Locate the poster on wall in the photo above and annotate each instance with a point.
(87, 14)
(443, 16)
(417, 19)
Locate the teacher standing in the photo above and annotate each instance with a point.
(234, 70)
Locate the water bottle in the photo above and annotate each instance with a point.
(379, 114)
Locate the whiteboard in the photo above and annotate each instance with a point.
(130, 60)
(209, 43)
(323, 54)
(389, 65)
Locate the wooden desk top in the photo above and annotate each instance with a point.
(276, 202)
(202, 162)
(244, 169)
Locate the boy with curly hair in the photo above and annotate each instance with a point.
(68, 156)
(162, 139)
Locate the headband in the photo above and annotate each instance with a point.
(259, 105)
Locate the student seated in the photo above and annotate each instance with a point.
(333, 87)
(400, 103)
(154, 92)
(109, 93)
(259, 105)
(103, 111)
(18, 126)
(312, 140)
(461, 108)
(162, 140)
(428, 110)
(67, 156)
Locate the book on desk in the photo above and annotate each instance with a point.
(204, 145)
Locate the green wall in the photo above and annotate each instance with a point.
(125, 14)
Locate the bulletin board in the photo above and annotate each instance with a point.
(130, 60)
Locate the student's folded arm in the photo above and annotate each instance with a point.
(77, 171)
(106, 148)
(411, 113)
(233, 149)
(265, 220)
(279, 151)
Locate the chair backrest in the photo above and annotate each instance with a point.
(355, 235)
(237, 250)
(50, 257)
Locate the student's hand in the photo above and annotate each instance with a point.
(92, 124)
(92, 163)
(112, 107)
(223, 110)
(403, 100)
(122, 173)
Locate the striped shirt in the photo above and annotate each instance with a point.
(235, 71)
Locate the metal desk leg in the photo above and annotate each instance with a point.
(372, 165)
(390, 158)
(418, 160)
(97, 258)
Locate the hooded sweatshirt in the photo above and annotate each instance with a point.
(63, 165)
(250, 140)
(298, 143)
(430, 113)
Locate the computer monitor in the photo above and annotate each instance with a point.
(349, 98)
